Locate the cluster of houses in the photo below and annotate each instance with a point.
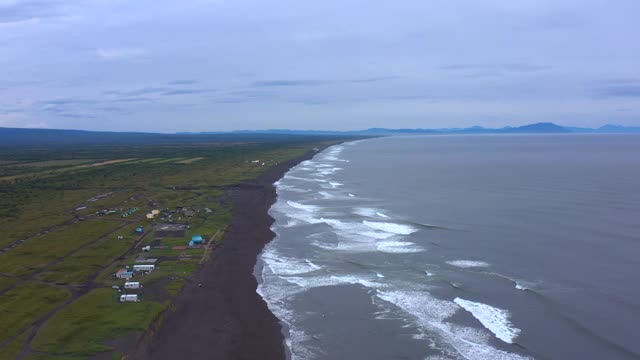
(128, 274)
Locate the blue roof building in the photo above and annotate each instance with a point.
(139, 230)
(196, 239)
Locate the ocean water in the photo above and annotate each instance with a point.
(459, 247)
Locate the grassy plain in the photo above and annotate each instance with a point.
(58, 253)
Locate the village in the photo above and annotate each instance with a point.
(163, 227)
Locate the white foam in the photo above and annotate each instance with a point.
(379, 275)
(391, 227)
(468, 263)
(335, 184)
(351, 195)
(429, 273)
(398, 247)
(430, 313)
(309, 282)
(494, 319)
(326, 195)
(381, 214)
(520, 286)
(281, 265)
(288, 176)
(292, 188)
(308, 208)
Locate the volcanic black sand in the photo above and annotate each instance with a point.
(219, 315)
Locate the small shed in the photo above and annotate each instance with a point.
(196, 239)
(139, 230)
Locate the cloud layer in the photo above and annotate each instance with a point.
(205, 65)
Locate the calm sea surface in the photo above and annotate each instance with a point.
(460, 247)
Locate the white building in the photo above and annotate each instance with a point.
(132, 285)
(144, 267)
(129, 298)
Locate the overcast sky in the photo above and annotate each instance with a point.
(208, 65)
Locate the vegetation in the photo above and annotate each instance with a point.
(63, 237)
(21, 306)
(80, 327)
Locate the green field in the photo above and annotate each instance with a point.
(60, 246)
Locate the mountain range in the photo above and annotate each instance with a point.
(21, 136)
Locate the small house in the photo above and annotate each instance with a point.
(129, 298)
(146, 248)
(124, 274)
(197, 239)
(191, 243)
(139, 230)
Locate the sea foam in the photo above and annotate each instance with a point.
(391, 227)
(467, 263)
(494, 319)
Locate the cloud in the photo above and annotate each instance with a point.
(497, 67)
(284, 83)
(24, 10)
(619, 91)
(293, 83)
(185, 92)
(114, 54)
(182, 82)
(137, 92)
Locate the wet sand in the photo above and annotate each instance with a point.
(225, 318)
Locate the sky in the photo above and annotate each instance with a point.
(217, 65)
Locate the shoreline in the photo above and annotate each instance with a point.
(226, 318)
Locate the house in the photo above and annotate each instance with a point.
(139, 230)
(146, 248)
(124, 274)
(197, 239)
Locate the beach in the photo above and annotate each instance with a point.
(219, 315)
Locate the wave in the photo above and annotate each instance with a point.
(430, 313)
(391, 227)
(467, 263)
(398, 247)
(310, 282)
(369, 212)
(308, 208)
(494, 319)
(280, 265)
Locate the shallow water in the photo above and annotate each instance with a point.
(459, 247)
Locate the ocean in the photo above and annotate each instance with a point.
(459, 247)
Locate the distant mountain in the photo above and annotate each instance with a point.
(546, 128)
(18, 136)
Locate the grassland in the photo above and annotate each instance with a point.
(59, 247)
